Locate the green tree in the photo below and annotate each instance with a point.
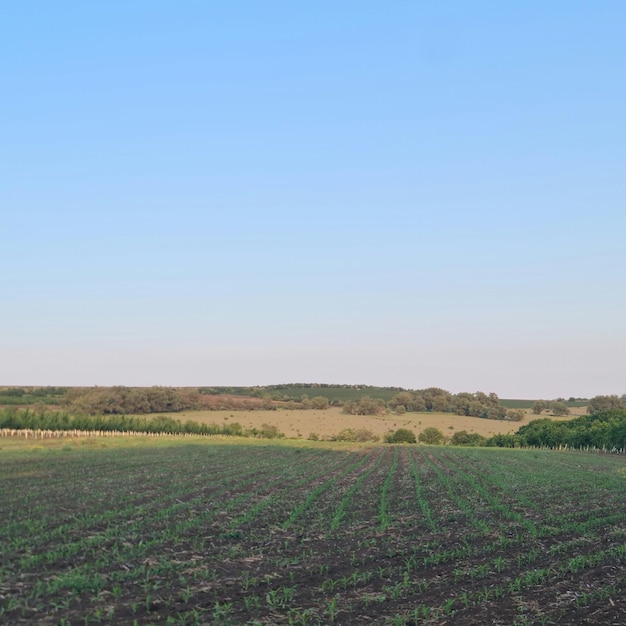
(364, 406)
(416, 403)
(319, 402)
(560, 408)
(461, 403)
(403, 398)
(538, 407)
(544, 432)
(436, 399)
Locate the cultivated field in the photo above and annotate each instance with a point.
(165, 531)
(300, 424)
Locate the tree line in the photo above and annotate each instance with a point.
(135, 400)
(596, 404)
(605, 430)
(19, 419)
(120, 400)
(434, 399)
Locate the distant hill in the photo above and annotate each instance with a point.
(295, 391)
(207, 397)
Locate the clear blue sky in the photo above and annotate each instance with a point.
(237, 193)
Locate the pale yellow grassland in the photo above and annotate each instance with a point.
(325, 424)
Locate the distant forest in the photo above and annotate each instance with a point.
(354, 399)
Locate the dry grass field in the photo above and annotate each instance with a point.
(300, 424)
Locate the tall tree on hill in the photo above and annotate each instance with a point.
(604, 403)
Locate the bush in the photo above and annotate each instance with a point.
(516, 415)
(463, 438)
(319, 403)
(360, 434)
(364, 434)
(431, 435)
(505, 441)
(560, 408)
(267, 431)
(347, 434)
(402, 435)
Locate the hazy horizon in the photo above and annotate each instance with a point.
(412, 195)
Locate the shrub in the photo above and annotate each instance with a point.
(431, 435)
(402, 435)
(347, 434)
(319, 402)
(364, 434)
(267, 431)
(360, 434)
(516, 415)
(560, 408)
(463, 438)
(505, 441)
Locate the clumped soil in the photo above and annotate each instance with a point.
(209, 534)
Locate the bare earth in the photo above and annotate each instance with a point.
(325, 424)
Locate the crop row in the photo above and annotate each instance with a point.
(208, 533)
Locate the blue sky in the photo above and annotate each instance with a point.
(412, 194)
